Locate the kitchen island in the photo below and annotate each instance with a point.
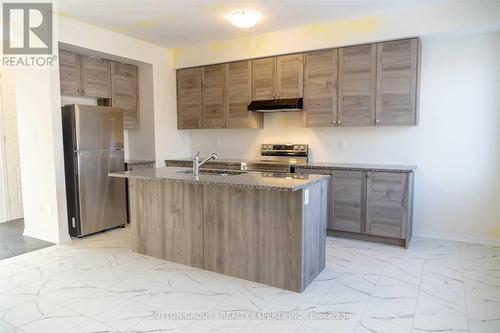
(263, 227)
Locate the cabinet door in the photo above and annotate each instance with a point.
(239, 95)
(189, 98)
(387, 204)
(348, 201)
(213, 103)
(96, 77)
(397, 86)
(264, 79)
(124, 92)
(69, 73)
(289, 76)
(357, 81)
(320, 88)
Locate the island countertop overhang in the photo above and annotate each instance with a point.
(251, 180)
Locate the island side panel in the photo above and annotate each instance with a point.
(315, 217)
(166, 220)
(254, 234)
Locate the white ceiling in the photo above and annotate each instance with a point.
(173, 23)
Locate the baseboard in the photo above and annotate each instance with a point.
(456, 237)
(37, 235)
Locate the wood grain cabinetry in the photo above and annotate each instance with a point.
(348, 198)
(83, 75)
(320, 88)
(264, 79)
(371, 205)
(363, 85)
(290, 76)
(95, 77)
(387, 204)
(216, 96)
(112, 83)
(357, 84)
(397, 82)
(239, 95)
(213, 105)
(125, 92)
(70, 73)
(189, 105)
(278, 77)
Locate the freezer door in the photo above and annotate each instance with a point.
(98, 127)
(102, 198)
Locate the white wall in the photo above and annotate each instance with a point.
(42, 164)
(430, 18)
(456, 145)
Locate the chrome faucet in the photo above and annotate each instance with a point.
(197, 164)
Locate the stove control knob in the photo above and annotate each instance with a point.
(302, 147)
(269, 147)
(295, 147)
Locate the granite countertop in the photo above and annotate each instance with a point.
(138, 162)
(320, 165)
(252, 180)
(356, 167)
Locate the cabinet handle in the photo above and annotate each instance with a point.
(339, 121)
(377, 121)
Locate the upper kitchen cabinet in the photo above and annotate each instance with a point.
(125, 92)
(397, 82)
(289, 76)
(95, 77)
(213, 105)
(357, 85)
(320, 88)
(69, 73)
(264, 79)
(189, 100)
(83, 75)
(278, 77)
(239, 95)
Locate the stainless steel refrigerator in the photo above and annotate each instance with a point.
(93, 147)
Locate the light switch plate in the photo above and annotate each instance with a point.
(306, 196)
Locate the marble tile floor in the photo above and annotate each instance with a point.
(97, 284)
(13, 242)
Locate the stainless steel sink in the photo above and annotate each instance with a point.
(215, 172)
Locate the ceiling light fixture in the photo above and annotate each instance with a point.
(244, 18)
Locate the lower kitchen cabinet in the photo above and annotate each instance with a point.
(387, 204)
(348, 198)
(371, 205)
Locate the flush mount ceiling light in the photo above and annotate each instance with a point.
(244, 18)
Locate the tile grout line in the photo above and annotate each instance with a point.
(465, 294)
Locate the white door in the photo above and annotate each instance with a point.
(11, 146)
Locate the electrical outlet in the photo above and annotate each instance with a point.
(216, 143)
(341, 144)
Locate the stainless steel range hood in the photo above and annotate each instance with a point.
(276, 105)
